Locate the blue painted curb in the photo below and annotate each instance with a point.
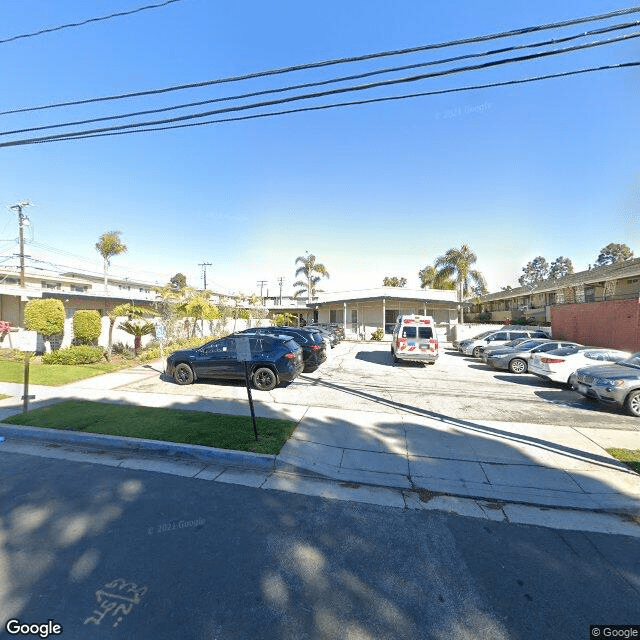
(227, 457)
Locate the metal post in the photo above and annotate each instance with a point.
(253, 415)
(25, 392)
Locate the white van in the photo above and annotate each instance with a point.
(414, 338)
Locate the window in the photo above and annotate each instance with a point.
(77, 287)
(632, 280)
(501, 335)
(10, 281)
(552, 298)
(506, 305)
(51, 285)
(409, 332)
(333, 316)
(514, 335)
(425, 333)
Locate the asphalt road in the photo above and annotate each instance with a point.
(115, 553)
(361, 376)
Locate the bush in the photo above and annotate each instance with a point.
(87, 326)
(484, 317)
(377, 334)
(45, 316)
(82, 354)
(123, 350)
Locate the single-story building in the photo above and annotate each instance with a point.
(363, 311)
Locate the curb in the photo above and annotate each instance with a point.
(227, 457)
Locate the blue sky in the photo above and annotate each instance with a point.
(547, 168)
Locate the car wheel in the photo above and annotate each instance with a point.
(394, 357)
(264, 379)
(632, 404)
(183, 374)
(517, 365)
(476, 352)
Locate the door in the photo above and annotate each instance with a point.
(354, 320)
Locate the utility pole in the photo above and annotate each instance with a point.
(21, 218)
(204, 266)
(261, 284)
(280, 281)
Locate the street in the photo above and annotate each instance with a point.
(117, 553)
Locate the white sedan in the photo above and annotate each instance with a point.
(558, 365)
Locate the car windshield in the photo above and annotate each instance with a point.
(530, 344)
(633, 361)
(484, 334)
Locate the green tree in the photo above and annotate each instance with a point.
(534, 272)
(560, 268)
(394, 281)
(431, 279)
(132, 312)
(199, 307)
(284, 319)
(45, 316)
(109, 245)
(612, 253)
(456, 264)
(178, 282)
(137, 329)
(312, 272)
(87, 326)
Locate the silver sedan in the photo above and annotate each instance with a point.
(516, 359)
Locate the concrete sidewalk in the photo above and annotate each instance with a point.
(415, 459)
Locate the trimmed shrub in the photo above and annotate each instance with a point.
(82, 354)
(45, 316)
(86, 326)
(377, 334)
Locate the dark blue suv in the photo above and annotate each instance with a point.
(274, 359)
(314, 350)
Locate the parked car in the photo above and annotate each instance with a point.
(559, 364)
(486, 350)
(615, 384)
(414, 338)
(331, 336)
(274, 359)
(335, 329)
(314, 350)
(516, 359)
(471, 346)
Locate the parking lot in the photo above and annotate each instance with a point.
(361, 376)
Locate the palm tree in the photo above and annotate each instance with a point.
(309, 268)
(456, 264)
(126, 309)
(108, 246)
(430, 278)
(137, 330)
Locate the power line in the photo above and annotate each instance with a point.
(268, 103)
(80, 136)
(326, 63)
(331, 80)
(89, 20)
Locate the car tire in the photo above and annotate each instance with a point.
(183, 374)
(394, 357)
(476, 352)
(518, 365)
(632, 404)
(264, 379)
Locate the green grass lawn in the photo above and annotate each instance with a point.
(631, 457)
(52, 375)
(171, 425)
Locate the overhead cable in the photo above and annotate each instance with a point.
(82, 136)
(89, 20)
(372, 85)
(326, 63)
(306, 85)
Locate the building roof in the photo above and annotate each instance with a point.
(387, 293)
(622, 269)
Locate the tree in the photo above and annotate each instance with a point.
(109, 245)
(313, 272)
(560, 268)
(456, 264)
(394, 281)
(46, 316)
(199, 307)
(612, 253)
(534, 272)
(137, 330)
(87, 326)
(126, 309)
(178, 282)
(430, 278)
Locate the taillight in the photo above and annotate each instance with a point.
(434, 343)
(289, 356)
(401, 342)
(316, 347)
(551, 360)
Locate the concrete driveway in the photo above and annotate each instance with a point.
(361, 376)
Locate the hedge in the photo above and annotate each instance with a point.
(87, 326)
(81, 354)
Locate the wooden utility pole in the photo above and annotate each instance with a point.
(21, 218)
(204, 266)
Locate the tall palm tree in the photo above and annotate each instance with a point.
(430, 278)
(456, 264)
(109, 245)
(312, 271)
